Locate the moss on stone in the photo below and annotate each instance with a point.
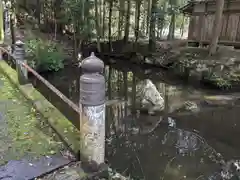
(22, 133)
(55, 118)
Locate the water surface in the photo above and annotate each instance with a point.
(177, 143)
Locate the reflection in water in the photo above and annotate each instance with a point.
(168, 153)
(185, 141)
(158, 147)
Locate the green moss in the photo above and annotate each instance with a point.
(22, 134)
(45, 108)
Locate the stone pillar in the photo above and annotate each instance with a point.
(19, 55)
(7, 7)
(92, 103)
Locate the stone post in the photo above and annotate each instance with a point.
(92, 103)
(7, 7)
(19, 55)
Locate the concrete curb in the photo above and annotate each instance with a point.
(54, 117)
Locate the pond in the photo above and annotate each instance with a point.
(194, 136)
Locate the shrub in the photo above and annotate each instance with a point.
(44, 56)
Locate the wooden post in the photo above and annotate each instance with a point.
(92, 103)
(216, 30)
(19, 55)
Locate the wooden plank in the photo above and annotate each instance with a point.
(238, 31)
(234, 26)
(210, 20)
(224, 27)
(213, 12)
(199, 7)
(229, 28)
(205, 28)
(191, 28)
(201, 27)
(196, 27)
(227, 43)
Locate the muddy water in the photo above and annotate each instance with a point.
(177, 143)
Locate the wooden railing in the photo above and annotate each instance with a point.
(91, 110)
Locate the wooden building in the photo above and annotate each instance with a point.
(202, 15)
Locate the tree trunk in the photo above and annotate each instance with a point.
(137, 19)
(120, 18)
(110, 25)
(38, 12)
(12, 24)
(127, 25)
(87, 19)
(172, 27)
(216, 27)
(182, 27)
(103, 20)
(149, 15)
(143, 27)
(58, 16)
(152, 35)
(97, 25)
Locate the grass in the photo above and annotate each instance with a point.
(54, 117)
(23, 133)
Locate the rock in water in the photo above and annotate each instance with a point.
(149, 97)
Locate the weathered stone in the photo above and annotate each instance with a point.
(67, 174)
(191, 106)
(188, 106)
(149, 97)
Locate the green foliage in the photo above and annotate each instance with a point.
(44, 56)
(77, 13)
(218, 81)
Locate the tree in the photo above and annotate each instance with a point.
(97, 20)
(84, 21)
(137, 18)
(216, 27)
(110, 25)
(172, 11)
(127, 23)
(152, 35)
(120, 18)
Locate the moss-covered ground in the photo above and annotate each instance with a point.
(23, 132)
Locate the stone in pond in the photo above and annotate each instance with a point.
(149, 97)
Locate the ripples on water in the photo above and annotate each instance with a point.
(190, 143)
(175, 154)
(167, 151)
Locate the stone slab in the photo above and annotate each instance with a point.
(26, 170)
